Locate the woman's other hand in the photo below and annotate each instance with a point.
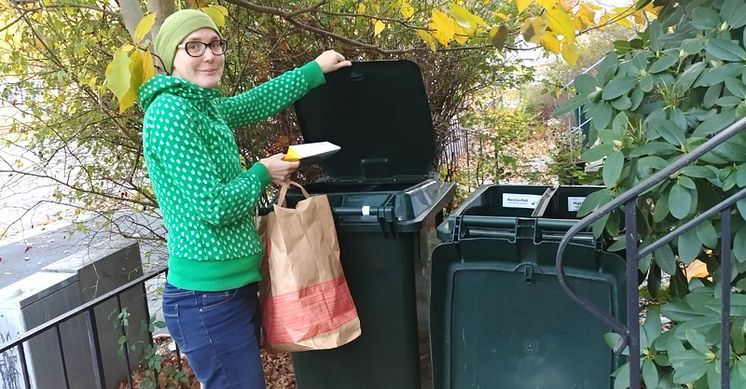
(330, 61)
(279, 170)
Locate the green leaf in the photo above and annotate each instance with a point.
(636, 98)
(570, 105)
(618, 87)
(716, 75)
(705, 18)
(661, 209)
(622, 103)
(741, 176)
(653, 163)
(689, 366)
(741, 205)
(698, 171)
(725, 50)
(649, 374)
(712, 95)
(620, 123)
(707, 235)
(652, 325)
(663, 63)
(687, 182)
(739, 245)
(669, 131)
(693, 46)
(585, 84)
(686, 79)
(679, 201)
(654, 148)
(728, 101)
(612, 169)
(647, 83)
(664, 258)
(601, 113)
(597, 152)
(594, 200)
(599, 225)
(689, 246)
(737, 19)
(621, 377)
(715, 123)
(736, 87)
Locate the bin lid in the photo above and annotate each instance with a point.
(499, 318)
(378, 113)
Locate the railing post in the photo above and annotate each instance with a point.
(725, 267)
(633, 293)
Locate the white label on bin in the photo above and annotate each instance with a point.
(573, 203)
(516, 200)
(366, 210)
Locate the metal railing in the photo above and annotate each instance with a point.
(631, 332)
(85, 309)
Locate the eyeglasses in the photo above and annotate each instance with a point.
(196, 48)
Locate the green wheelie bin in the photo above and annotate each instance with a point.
(498, 316)
(385, 201)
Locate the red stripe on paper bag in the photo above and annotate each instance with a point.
(315, 310)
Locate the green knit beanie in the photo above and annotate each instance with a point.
(175, 29)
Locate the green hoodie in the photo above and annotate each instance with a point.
(206, 198)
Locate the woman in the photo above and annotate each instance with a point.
(210, 301)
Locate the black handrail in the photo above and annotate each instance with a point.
(85, 308)
(631, 332)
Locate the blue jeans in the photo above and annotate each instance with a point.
(218, 332)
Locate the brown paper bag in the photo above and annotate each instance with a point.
(306, 303)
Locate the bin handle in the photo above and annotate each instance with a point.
(463, 222)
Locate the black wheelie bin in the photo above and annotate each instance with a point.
(384, 199)
(498, 316)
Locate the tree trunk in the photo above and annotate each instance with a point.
(162, 9)
(131, 15)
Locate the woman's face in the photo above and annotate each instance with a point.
(204, 70)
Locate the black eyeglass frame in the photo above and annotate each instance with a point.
(222, 45)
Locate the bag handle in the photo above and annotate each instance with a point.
(281, 200)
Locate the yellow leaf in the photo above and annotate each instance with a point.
(406, 9)
(523, 4)
(461, 36)
(501, 15)
(567, 5)
(144, 26)
(550, 42)
(570, 52)
(499, 35)
(428, 39)
(465, 18)
(592, 6)
(640, 17)
(444, 28)
(561, 23)
(547, 4)
(361, 8)
(216, 14)
(378, 26)
(697, 269)
(118, 75)
(624, 22)
(148, 66)
(533, 29)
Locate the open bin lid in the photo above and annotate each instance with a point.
(378, 113)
